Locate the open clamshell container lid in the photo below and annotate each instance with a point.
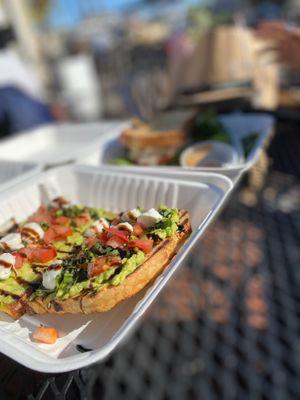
(12, 172)
(109, 188)
(58, 144)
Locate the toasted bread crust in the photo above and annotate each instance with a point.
(15, 310)
(107, 298)
(142, 137)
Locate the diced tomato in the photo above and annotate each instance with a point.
(62, 221)
(103, 237)
(56, 233)
(137, 229)
(116, 242)
(116, 237)
(50, 235)
(41, 215)
(115, 232)
(84, 218)
(102, 264)
(20, 258)
(62, 231)
(91, 241)
(45, 334)
(39, 254)
(96, 267)
(145, 245)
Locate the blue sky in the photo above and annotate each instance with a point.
(67, 13)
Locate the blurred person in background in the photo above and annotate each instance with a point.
(286, 40)
(21, 102)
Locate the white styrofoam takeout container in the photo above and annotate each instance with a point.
(225, 185)
(117, 191)
(12, 172)
(58, 144)
(239, 126)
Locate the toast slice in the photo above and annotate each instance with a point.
(109, 296)
(75, 259)
(169, 129)
(143, 138)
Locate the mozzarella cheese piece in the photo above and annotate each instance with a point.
(149, 218)
(49, 278)
(32, 230)
(12, 241)
(125, 226)
(7, 262)
(131, 215)
(97, 227)
(104, 223)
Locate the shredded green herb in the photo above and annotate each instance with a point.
(101, 250)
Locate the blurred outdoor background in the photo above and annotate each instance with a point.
(228, 326)
(91, 59)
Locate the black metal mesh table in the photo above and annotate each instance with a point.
(227, 327)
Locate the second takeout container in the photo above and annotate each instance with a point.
(59, 144)
(13, 172)
(113, 189)
(238, 125)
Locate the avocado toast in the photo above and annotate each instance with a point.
(70, 258)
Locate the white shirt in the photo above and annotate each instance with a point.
(15, 71)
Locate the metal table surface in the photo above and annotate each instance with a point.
(227, 327)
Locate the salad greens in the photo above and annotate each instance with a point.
(248, 143)
(208, 127)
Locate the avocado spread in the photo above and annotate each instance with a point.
(5, 300)
(70, 288)
(168, 226)
(11, 286)
(27, 273)
(129, 266)
(76, 239)
(78, 253)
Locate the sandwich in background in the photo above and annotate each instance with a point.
(157, 142)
